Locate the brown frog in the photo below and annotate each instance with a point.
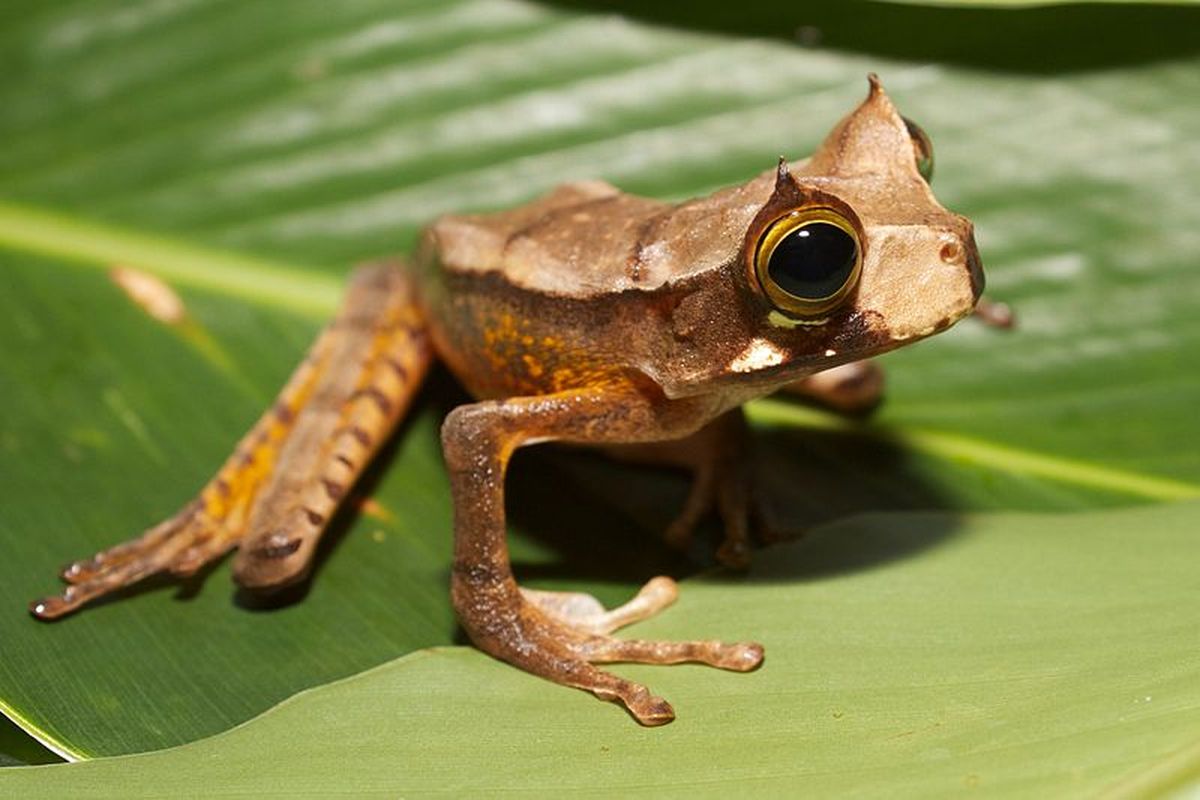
(591, 317)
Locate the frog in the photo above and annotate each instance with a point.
(597, 318)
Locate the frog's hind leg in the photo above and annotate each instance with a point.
(275, 494)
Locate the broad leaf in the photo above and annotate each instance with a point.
(17, 747)
(1017, 655)
(249, 156)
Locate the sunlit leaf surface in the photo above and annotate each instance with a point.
(249, 156)
(908, 655)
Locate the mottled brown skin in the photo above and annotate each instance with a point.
(589, 317)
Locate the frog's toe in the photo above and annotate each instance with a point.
(586, 614)
(584, 624)
(647, 708)
(736, 656)
(179, 545)
(701, 499)
(105, 581)
(734, 553)
(731, 495)
(156, 538)
(546, 645)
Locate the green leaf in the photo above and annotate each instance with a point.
(18, 748)
(249, 155)
(909, 655)
(1001, 4)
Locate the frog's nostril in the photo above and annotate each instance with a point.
(958, 247)
(961, 252)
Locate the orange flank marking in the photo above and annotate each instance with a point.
(229, 496)
(563, 378)
(532, 362)
(533, 365)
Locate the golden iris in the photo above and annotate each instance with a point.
(808, 261)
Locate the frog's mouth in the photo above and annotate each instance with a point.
(768, 364)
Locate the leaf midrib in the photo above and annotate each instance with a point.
(282, 285)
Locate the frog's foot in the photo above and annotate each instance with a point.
(560, 636)
(180, 546)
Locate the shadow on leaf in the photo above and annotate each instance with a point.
(1040, 40)
(599, 522)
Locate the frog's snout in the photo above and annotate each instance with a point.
(959, 248)
(975, 272)
(974, 265)
(959, 251)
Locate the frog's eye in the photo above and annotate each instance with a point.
(808, 261)
(922, 149)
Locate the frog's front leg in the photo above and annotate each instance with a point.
(995, 314)
(540, 633)
(854, 389)
(717, 455)
(274, 496)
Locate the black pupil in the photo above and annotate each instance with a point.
(813, 262)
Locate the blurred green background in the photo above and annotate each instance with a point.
(251, 153)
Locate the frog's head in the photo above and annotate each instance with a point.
(850, 256)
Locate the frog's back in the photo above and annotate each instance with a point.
(589, 237)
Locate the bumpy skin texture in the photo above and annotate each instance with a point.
(590, 317)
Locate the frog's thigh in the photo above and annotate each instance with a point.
(274, 495)
(541, 634)
(718, 457)
(854, 388)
